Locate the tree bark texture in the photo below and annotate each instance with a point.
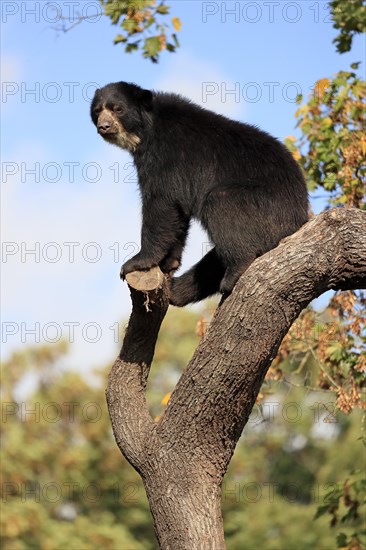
(183, 457)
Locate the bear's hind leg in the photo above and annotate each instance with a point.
(233, 223)
(199, 282)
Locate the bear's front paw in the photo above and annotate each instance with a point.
(137, 263)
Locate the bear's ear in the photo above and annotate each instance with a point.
(97, 93)
(145, 97)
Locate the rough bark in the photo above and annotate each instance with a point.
(182, 458)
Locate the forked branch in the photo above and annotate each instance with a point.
(192, 443)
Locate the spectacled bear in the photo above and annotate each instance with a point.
(241, 183)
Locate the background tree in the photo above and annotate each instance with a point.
(64, 482)
(332, 151)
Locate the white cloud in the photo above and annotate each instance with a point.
(11, 68)
(12, 71)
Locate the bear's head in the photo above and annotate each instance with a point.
(120, 112)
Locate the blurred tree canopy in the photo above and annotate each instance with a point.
(65, 483)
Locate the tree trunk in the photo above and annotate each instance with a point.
(183, 457)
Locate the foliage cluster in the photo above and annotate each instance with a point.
(65, 483)
(143, 26)
(332, 147)
(350, 17)
(329, 348)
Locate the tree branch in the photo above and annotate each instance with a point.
(183, 457)
(218, 389)
(131, 421)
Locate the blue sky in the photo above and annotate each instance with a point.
(70, 197)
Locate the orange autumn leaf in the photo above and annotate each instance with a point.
(166, 398)
(321, 86)
(177, 24)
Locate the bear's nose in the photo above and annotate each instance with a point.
(104, 127)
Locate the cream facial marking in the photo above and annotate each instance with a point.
(111, 129)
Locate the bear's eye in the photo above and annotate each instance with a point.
(118, 109)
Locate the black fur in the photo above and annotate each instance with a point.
(242, 184)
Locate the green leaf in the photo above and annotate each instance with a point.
(322, 510)
(132, 47)
(151, 46)
(341, 540)
(149, 22)
(162, 9)
(119, 38)
(129, 25)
